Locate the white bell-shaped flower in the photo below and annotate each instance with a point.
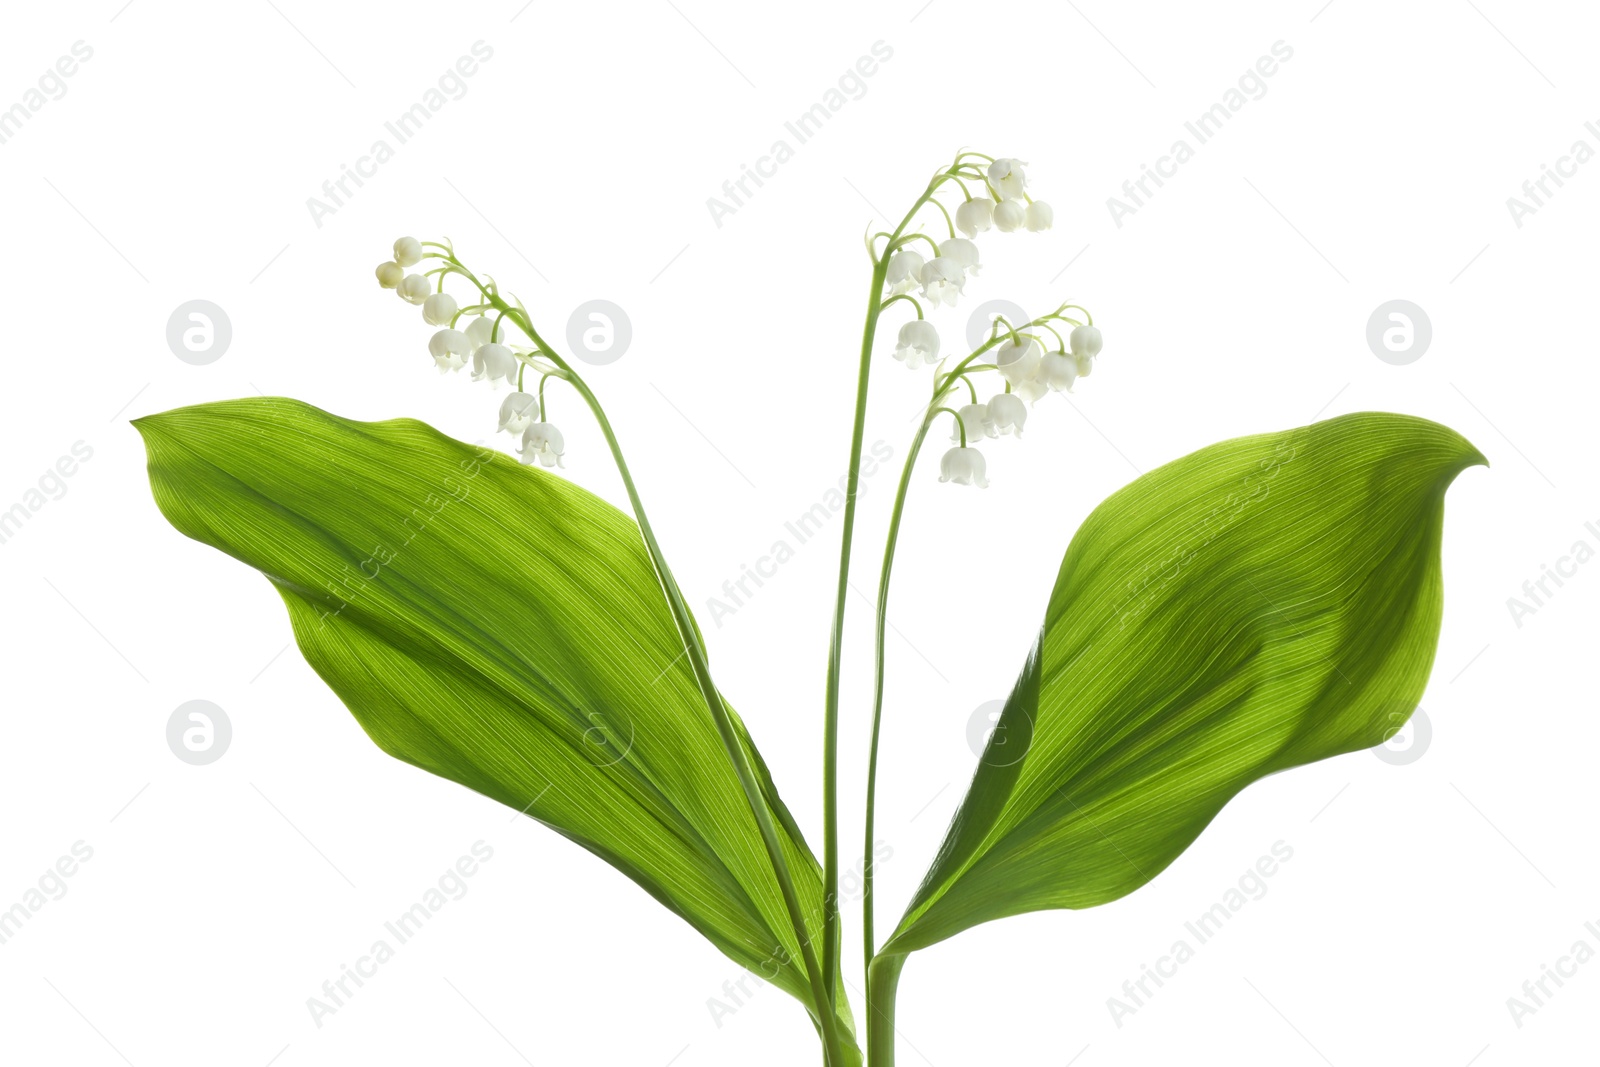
(438, 309)
(449, 349)
(975, 216)
(480, 331)
(492, 362)
(1009, 216)
(407, 251)
(964, 466)
(942, 280)
(1007, 178)
(1033, 390)
(1039, 216)
(518, 411)
(543, 443)
(1084, 341)
(905, 270)
(975, 418)
(413, 288)
(1058, 371)
(1085, 365)
(1018, 362)
(962, 251)
(918, 344)
(1007, 413)
(390, 274)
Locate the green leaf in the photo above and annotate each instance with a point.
(500, 627)
(1256, 605)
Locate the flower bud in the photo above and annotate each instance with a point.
(964, 466)
(438, 309)
(390, 274)
(975, 216)
(1039, 216)
(413, 288)
(1009, 215)
(918, 344)
(407, 251)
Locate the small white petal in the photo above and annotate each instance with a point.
(390, 274)
(493, 362)
(975, 417)
(1018, 362)
(942, 280)
(1085, 341)
(480, 331)
(962, 251)
(449, 349)
(964, 466)
(918, 344)
(543, 443)
(1058, 371)
(413, 288)
(1008, 413)
(1007, 178)
(1040, 216)
(518, 411)
(905, 268)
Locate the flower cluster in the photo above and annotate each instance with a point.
(481, 340)
(1029, 366)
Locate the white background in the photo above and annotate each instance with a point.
(1377, 166)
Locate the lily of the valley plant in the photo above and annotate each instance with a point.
(1259, 604)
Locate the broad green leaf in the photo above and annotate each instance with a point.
(1256, 605)
(500, 627)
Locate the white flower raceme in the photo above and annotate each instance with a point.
(407, 251)
(918, 345)
(1007, 412)
(492, 362)
(1018, 362)
(1039, 216)
(449, 349)
(438, 309)
(1058, 371)
(975, 216)
(543, 443)
(1085, 341)
(905, 270)
(480, 331)
(390, 274)
(963, 251)
(964, 466)
(1007, 178)
(942, 280)
(1009, 216)
(413, 288)
(975, 418)
(518, 411)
